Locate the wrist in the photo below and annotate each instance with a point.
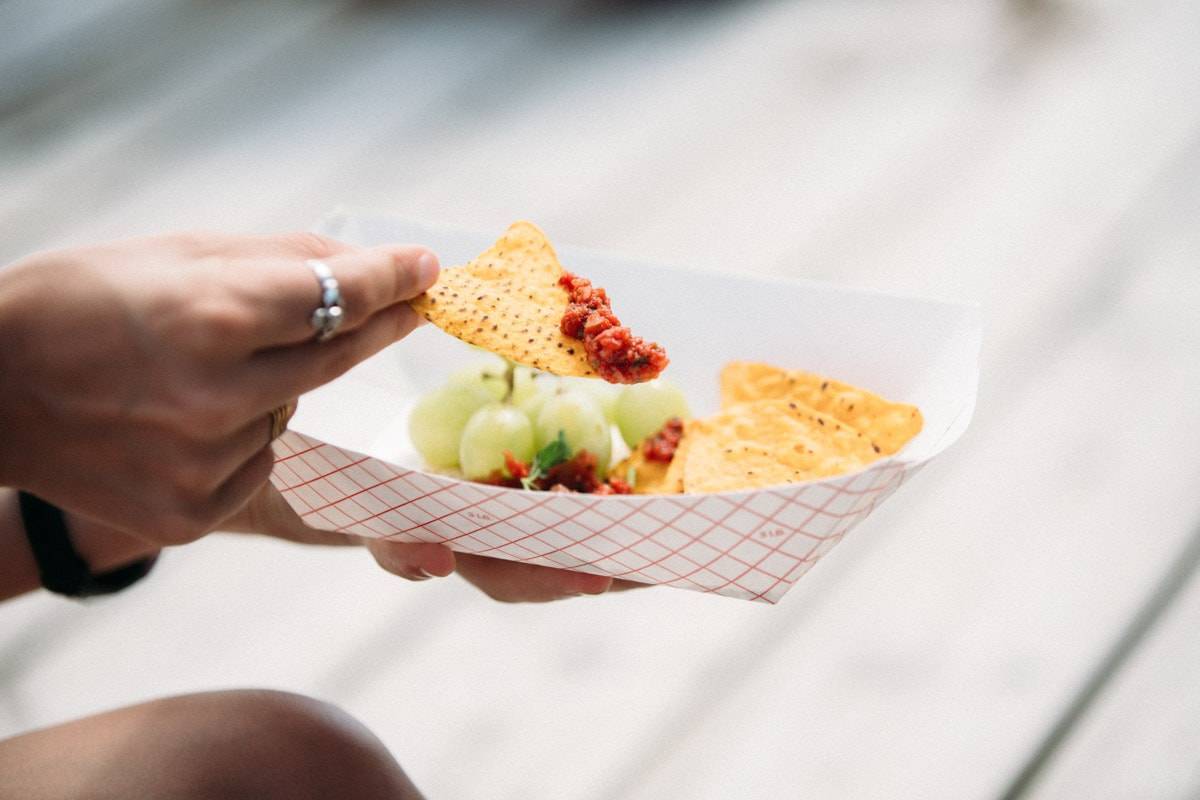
(103, 548)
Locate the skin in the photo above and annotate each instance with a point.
(147, 371)
(148, 368)
(230, 744)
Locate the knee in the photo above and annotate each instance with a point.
(267, 744)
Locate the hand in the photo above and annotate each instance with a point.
(139, 375)
(507, 581)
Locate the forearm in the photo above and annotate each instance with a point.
(101, 547)
(12, 333)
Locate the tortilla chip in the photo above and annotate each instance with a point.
(508, 301)
(767, 443)
(649, 476)
(672, 482)
(655, 477)
(888, 425)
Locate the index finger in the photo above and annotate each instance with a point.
(519, 582)
(369, 280)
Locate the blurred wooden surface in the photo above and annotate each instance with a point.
(1018, 622)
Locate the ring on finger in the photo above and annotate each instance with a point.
(328, 316)
(280, 415)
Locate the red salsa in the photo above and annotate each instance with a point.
(576, 474)
(613, 351)
(516, 469)
(661, 446)
(614, 486)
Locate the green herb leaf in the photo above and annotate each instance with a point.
(631, 476)
(553, 454)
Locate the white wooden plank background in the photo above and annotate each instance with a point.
(1147, 723)
(1040, 158)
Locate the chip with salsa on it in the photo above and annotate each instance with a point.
(517, 301)
(656, 465)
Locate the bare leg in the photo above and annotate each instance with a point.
(233, 744)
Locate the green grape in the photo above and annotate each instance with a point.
(490, 374)
(605, 394)
(643, 408)
(437, 421)
(530, 390)
(525, 384)
(582, 423)
(490, 431)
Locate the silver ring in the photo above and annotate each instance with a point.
(327, 316)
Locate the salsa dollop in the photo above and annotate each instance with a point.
(576, 474)
(613, 351)
(661, 446)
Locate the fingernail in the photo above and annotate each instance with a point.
(440, 565)
(425, 573)
(427, 269)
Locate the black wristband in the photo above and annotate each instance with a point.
(61, 568)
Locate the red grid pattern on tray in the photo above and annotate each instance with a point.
(752, 545)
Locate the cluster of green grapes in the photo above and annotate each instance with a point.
(492, 407)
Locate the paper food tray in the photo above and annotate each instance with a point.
(347, 465)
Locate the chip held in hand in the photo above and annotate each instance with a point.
(517, 301)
